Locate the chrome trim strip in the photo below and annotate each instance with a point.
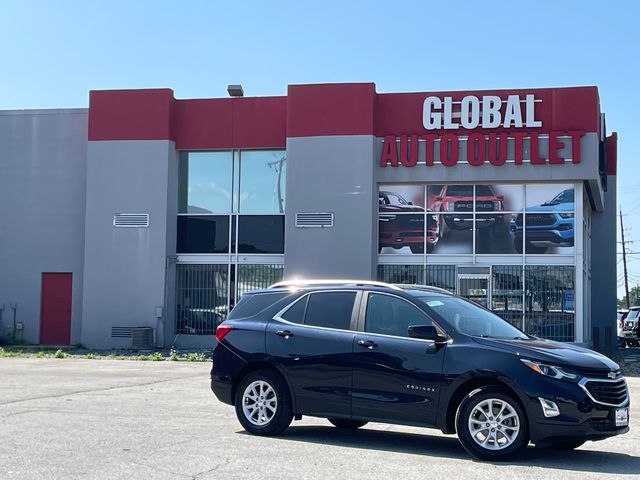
(582, 383)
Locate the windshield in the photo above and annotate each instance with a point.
(564, 197)
(633, 314)
(467, 318)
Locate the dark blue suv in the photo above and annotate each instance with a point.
(355, 352)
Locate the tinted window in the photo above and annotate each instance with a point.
(295, 314)
(330, 309)
(261, 234)
(262, 181)
(203, 234)
(392, 316)
(204, 182)
(250, 305)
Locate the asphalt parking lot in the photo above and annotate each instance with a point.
(109, 419)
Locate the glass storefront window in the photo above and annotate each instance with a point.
(261, 234)
(203, 234)
(262, 181)
(204, 182)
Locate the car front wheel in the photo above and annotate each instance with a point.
(263, 404)
(491, 425)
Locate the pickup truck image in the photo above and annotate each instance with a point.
(547, 225)
(401, 224)
(458, 199)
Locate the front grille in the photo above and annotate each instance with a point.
(612, 392)
(409, 221)
(539, 219)
(463, 206)
(485, 207)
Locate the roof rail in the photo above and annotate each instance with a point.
(311, 283)
(417, 286)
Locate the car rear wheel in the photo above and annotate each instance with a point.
(530, 248)
(347, 424)
(491, 425)
(417, 248)
(263, 404)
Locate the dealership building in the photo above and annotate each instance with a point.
(149, 211)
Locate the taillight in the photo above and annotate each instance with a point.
(222, 331)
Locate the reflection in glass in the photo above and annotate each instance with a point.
(401, 274)
(507, 291)
(203, 234)
(550, 302)
(261, 234)
(204, 182)
(262, 181)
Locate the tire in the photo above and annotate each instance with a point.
(274, 413)
(500, 446)
(417, 248)
(347, 424)
(566, 444)
(517, 245)
(430, 247)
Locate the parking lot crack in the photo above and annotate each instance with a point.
(94, 390)
(206, 472)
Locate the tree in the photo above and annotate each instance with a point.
(634, 298)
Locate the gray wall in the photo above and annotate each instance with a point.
(331, 174)
(603, 266)
(42, 209)
(125, 270)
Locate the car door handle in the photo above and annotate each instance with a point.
(367, 343)
(284, 333)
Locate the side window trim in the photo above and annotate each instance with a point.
(363, 316)
(355, 311)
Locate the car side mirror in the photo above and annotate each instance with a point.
(426, 332)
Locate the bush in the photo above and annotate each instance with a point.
(60, 354)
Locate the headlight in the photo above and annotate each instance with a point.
(548, 370)
(566, 215)
(451, 206)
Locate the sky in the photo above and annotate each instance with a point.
(53, 52)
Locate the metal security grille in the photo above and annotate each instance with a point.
(124, 220)
(441, 276)
(308, 220)
(550, 302)
(507, 293)
(205, 293)
(201, 298)
(252, 277)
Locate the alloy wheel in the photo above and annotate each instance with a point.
(259, 403)
(494, 424)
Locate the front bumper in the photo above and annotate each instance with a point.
(581, 417)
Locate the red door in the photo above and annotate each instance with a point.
(55, 309)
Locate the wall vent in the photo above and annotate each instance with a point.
(121, 332)
(310, 220)
(137, 220)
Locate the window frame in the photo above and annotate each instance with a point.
(363, 314)
(355, 311)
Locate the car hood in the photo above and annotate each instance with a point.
(551, 208)
(400, 208)
(554, 353)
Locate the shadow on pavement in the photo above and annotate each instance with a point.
(418, 444)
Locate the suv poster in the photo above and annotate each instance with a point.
(485, 219)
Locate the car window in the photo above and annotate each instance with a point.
(633, 314)
(484, 191)
(250, 305)
(390, 315)
(330, 309)
(295, 313)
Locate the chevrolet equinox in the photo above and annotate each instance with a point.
(356, 352)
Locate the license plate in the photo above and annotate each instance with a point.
(622, 417)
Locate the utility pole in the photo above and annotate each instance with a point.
(624, 260)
